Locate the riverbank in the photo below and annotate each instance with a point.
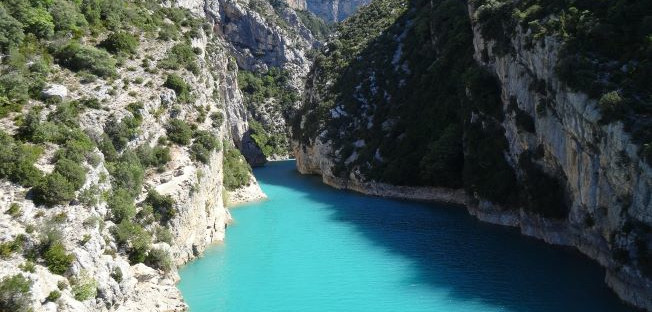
(628, 284)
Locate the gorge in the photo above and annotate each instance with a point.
(128, 127)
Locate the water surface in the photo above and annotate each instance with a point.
(313, 248)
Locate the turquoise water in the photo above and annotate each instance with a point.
(313, 248)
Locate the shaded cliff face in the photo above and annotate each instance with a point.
(329, 10)
(491, 107)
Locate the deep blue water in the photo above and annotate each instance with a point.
(313, 248)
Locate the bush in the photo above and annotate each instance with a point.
(11, 31)
(180, 87)
(15, 294)
(17, 161)
(218, 119)
(121, 132)
(236, 169)
(116, 274)
(611, 106)
(127, 173)
(134, 238)
(38, 22)
(77, 57)
(118, 42)
(56, 258)
(153, 157)
(159, 259)
(14, 210)
(72, 171)
(178, 132)
(203, 145)
(163, 206)
(163, 235)
(67, 17)
(121, 205)
(54, 189)
(181, 55)
(84, 288)
(53, 296)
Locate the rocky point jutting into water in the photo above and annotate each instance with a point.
(519, 103)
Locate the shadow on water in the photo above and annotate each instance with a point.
(451, 250)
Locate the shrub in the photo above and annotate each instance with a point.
(84, 288)
(121, 205)
(54, 189)
(611, 105)
(134, 238)
(218, 119)
(17, 161)
(153, 157)
(181, 55)
(38, 22)
(72, 171)
(127, 173)
(159, 259)
(180, 87)
(11, 31)
(236, 169)
(116, 274)
(28, 266)
(178, 132)
(121, 132)
(168, 32)
(163, 206)
(78, 57)
(56, 258)
(163, 235)
(14, 210)
(67, 17)
(203, 145)
(120, 42)
(15, 294)
(53, 296)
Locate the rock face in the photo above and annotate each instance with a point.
(196, 187)
(606, 182)
(329, 10)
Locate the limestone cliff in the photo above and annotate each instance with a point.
(329, 10)
(593, 170)
(102, 277)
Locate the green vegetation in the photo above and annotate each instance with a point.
(181, 55)
(180, 87)
(269, 143)
(179, 132)
(120, 42)
(203, 144)
(76, 57)
(53, 296)
(270, 91)
(236, 168)
(84, 288)
(134, 238)
(17, 161)
(159, 259)
(605, 53)
(163, 206)
(121, 205)
(56, 258)
(316, 25)
(15, 294)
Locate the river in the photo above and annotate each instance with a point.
(310, 247)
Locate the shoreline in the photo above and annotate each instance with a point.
(630, 287)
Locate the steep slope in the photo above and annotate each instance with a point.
(519, 103)
(329, 10)
(115, 166)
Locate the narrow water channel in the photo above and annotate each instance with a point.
(313, 248)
